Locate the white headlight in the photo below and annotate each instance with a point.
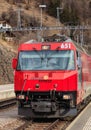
(21, 97)
(66, 97)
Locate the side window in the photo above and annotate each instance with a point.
(79, 66)
(78, 62)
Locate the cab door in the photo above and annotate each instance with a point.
(79, 68)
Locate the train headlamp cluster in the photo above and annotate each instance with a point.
(66, 97)
(21, 97)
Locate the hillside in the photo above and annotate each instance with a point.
(6, 54)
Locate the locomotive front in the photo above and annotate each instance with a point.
(45, 80)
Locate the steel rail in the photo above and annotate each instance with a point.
(51, 126)
(7, 103)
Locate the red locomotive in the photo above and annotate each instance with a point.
(51, 78)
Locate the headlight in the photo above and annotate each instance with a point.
(21, 97)
(66, 97)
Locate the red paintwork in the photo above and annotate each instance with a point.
(38, 46)
(64, 80)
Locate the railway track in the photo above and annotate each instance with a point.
(54, 124)
(24, 125)
(7, 103)
(44, 125)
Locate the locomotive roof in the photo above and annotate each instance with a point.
(60, 38)
(64, 38)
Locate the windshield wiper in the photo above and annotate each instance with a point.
(57, 49)
(48, 58)
(41, 57)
